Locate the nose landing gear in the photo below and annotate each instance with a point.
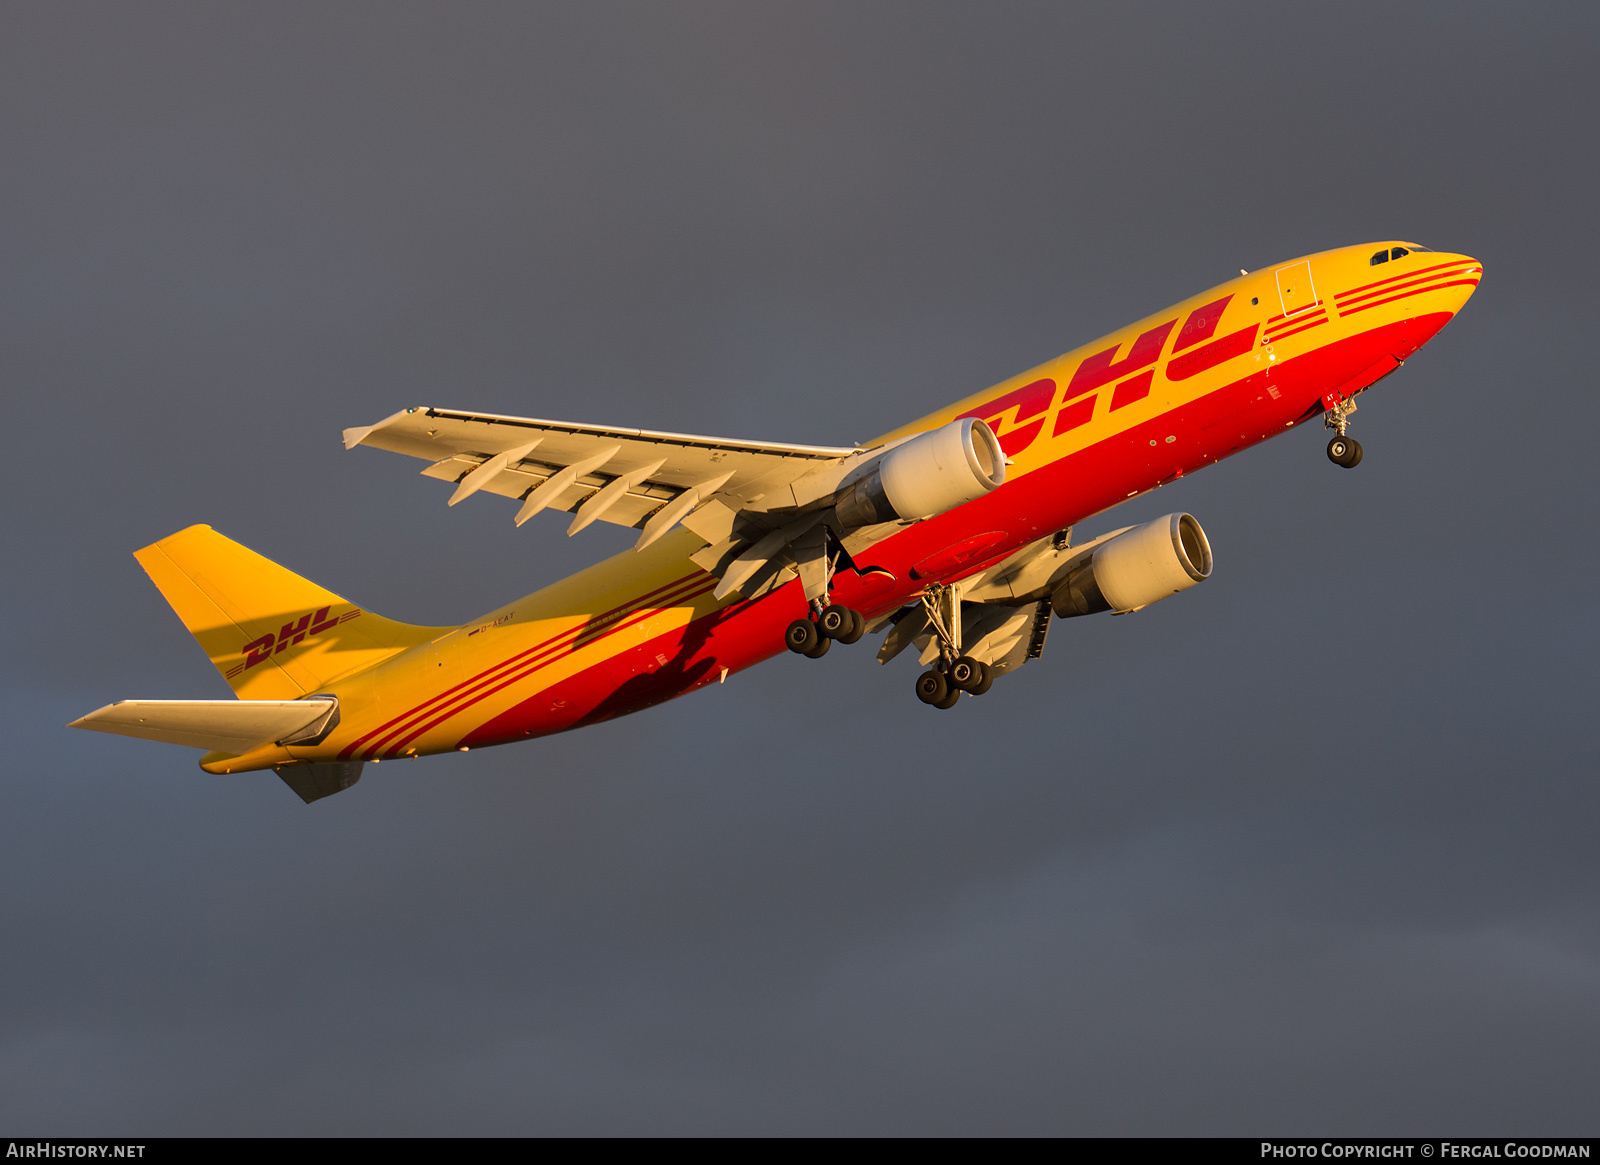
(1343, 450)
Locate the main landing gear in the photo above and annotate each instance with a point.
(813, 637)
(1343, 450)
(963, 674)
(953, 673)
(825, 621)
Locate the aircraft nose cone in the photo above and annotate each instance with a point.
(1465, 279)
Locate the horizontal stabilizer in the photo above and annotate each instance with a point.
(234, 726)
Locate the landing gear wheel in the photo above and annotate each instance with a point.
(933, 688)
(802, 637)
(836, 622)
(857, 631)
(984, 684)
(967, 673)
(949, 701)
(821, 649)
(1345, 451)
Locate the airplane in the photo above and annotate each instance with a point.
(951, 535)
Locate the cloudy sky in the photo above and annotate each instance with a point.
(1308, 849)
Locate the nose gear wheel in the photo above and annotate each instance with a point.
(1345, 451)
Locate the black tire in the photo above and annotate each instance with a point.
(966, 673)
(801, 637)
(1339, 451)
(821, 649)
(858, 630)
(986, 683)
(1355, 455)
(949, 701)
(835, 621)
(932, 687)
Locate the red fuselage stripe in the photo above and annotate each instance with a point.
(1291, 315)
(1346, 304)
(1306, 327)
(1339, 296)
(572, 632)
(538, 656)
(1407, 294)
(529, 667)
(1298, 322)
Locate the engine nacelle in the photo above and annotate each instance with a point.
(929, 474)
(1136, 569)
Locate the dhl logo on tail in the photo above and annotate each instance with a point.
(310, 625)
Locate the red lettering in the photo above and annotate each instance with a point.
(257, 651)
(1030, 400)
(320, 621)
(1103, 367)
(1017, 440)
(1075, 414)
(1214, 353)
(1201, 324)
(1131, 390)
(292, 633)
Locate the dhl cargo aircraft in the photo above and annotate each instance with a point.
(953, 534)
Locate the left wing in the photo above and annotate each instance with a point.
(630, 477)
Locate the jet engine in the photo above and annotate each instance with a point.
(927, 475)
(1137, 568)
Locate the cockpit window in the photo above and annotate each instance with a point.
(1418, 247)
(1381, 257)
(1398, 252)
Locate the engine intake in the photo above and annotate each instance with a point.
(929, 474)
(1137, 568)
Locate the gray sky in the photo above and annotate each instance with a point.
(1308, 849)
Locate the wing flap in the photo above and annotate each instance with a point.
(632, 509)
(518, 455)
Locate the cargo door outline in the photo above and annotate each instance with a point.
(1296, 290)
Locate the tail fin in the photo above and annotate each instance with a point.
(272, 634)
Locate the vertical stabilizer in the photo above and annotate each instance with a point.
(272, 634)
